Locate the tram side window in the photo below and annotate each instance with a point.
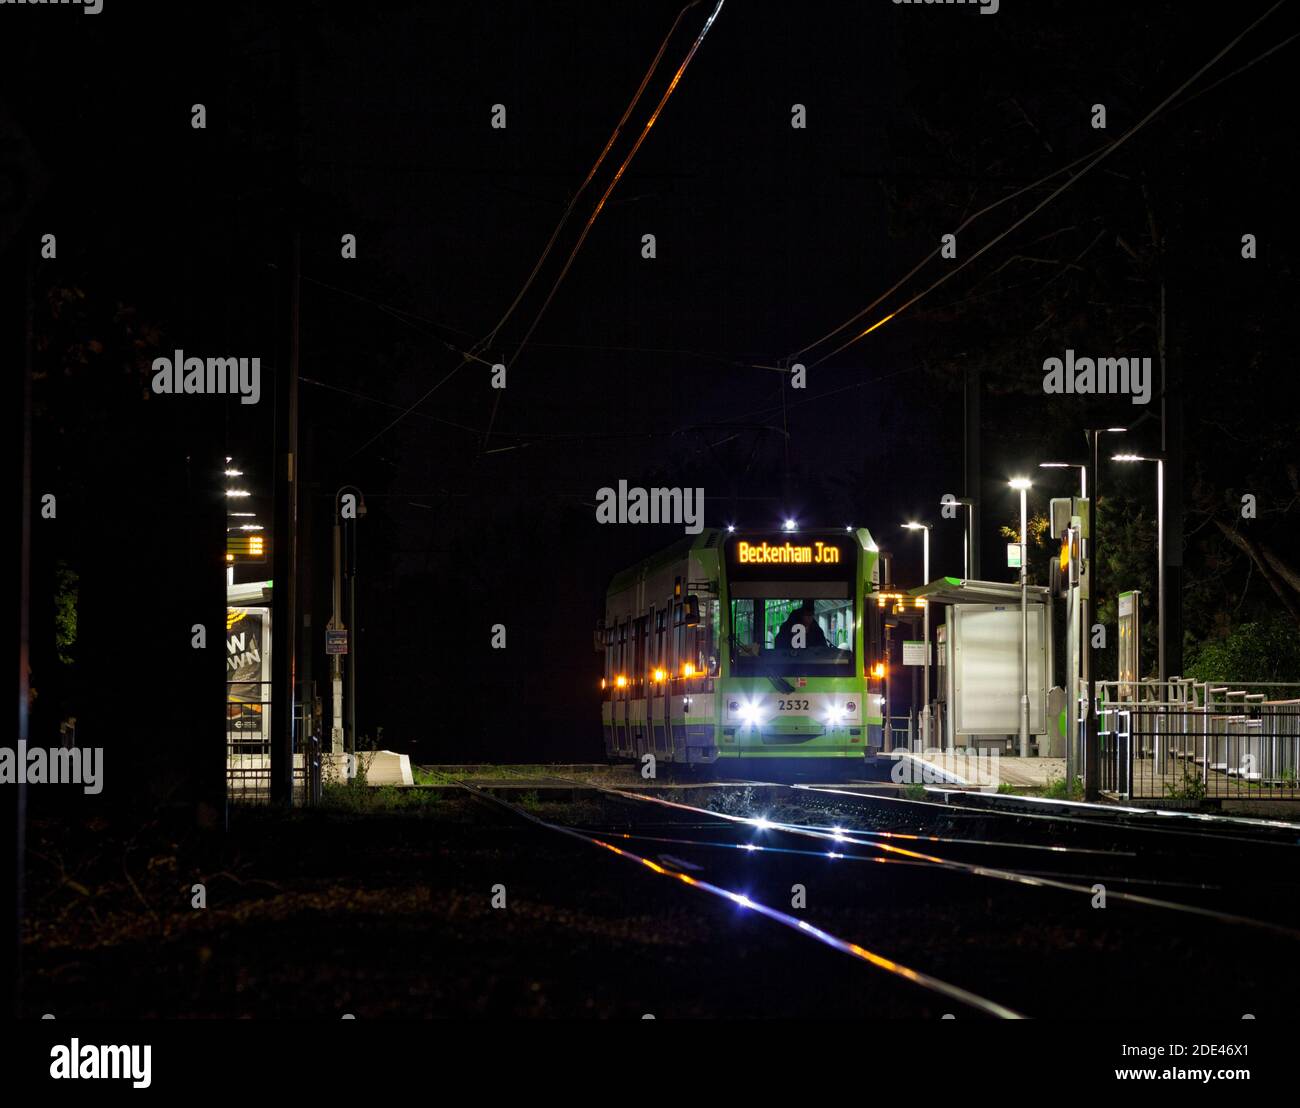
(622, 647)
(610, 670)
(709, 633)
(680, 654)
(639, 665)
(660, 659)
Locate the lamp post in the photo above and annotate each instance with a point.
(1160, 556)
(1022, 485)
(924, 528)
(336, 661)
(968, 543)
(1083, 474)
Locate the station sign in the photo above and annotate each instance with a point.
(336, 642)
(914, 653)
(773, 555)
(815, 552)
(1013, 555)
(246, 548)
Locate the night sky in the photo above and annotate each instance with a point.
(480, 502)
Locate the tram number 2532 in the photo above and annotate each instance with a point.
(792, 705)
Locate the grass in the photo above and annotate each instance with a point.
(1192, 786)
(1057, 789)
(356, 799)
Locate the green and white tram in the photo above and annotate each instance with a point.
(749, 652)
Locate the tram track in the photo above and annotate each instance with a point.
(918, 910)
(929, 982)
(889, 842)
(998, 873)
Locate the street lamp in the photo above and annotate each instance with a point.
(1160, 556)
(1023, 485)
(924, 528)
(1083, 474)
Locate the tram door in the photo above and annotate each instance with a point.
(660, 684)
(622, 691)
(876, 655)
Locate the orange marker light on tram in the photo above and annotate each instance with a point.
(688, 670)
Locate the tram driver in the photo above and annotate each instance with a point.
(805, 615)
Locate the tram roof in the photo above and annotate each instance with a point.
(708, 539)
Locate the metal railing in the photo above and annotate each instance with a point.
(1188, 741)
(248, 747)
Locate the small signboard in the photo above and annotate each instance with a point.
(913, 653)
(1013, 555)
(336, 642)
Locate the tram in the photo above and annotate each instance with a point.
(747, 653)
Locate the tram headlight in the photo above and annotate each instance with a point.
(836, 713)
(751, 713)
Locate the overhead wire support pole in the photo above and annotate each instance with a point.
(285, 535)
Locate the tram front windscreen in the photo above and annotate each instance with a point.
(790, 610)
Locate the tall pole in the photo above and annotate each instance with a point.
(972, 400)
(336, 660)
(352, 649)
(1082, 648)
(1091, 725)
(345, 565)
(1024, 624)
(19, 320)
(1160, 578)
(285, 554)
(925, 618)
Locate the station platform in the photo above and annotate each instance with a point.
(974, 770)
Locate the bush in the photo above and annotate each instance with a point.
(1263, 650)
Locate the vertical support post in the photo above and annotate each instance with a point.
(1091, 738)
(1024, 624)
(1071, 671)
(284, 597)
(336, 624)
(925, 572)
(1160, 583)
(20, 282)
(352, 645)
(972, 401)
